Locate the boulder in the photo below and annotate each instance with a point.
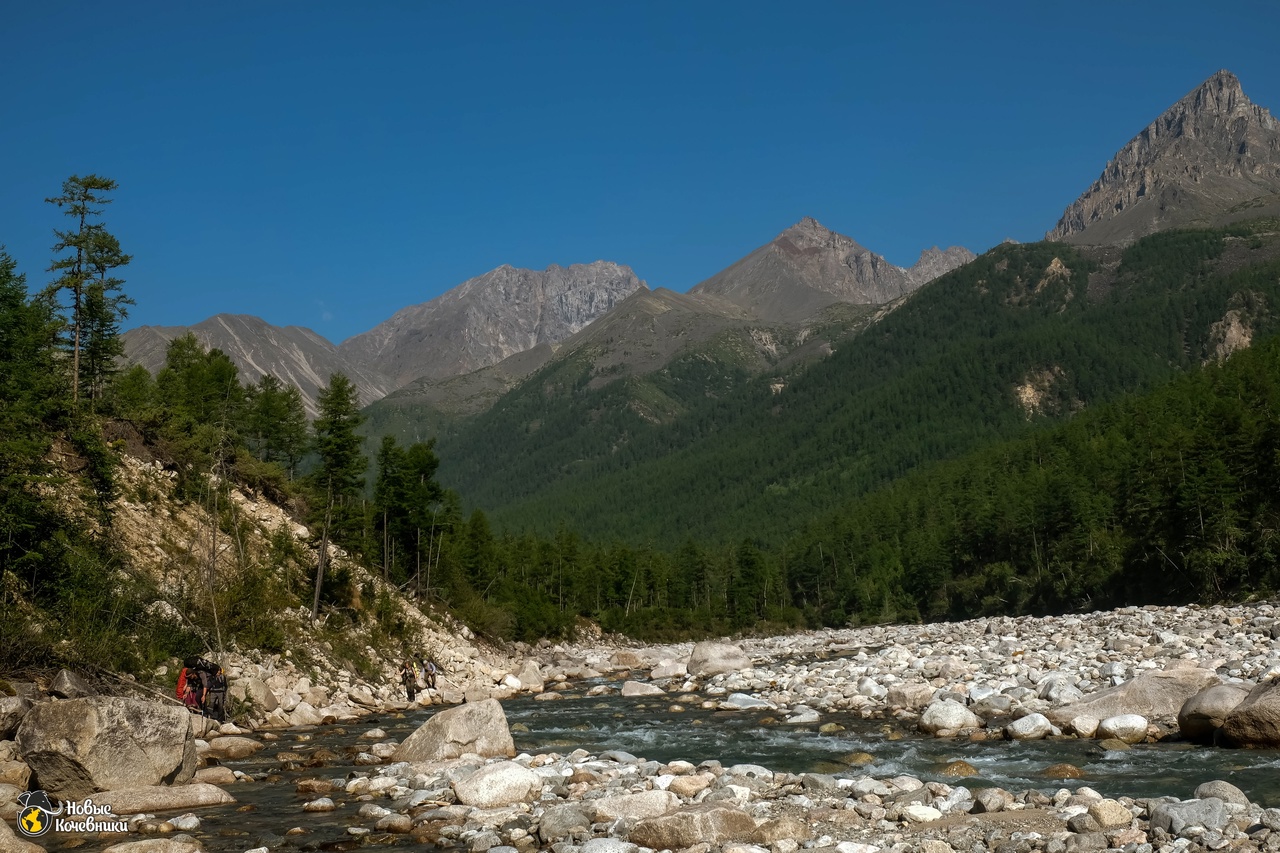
(714, 824)
(156, 845)
(1204, 713)
(1130, 728)
(304, 714)
(480, 728)
(233, 747)
(499, 784)
(82, 746)
(639, 688)
(1255, 722)
(668, 669)
(67, 685)
(948, 715)
(15, 773)
(743, 702)
(711, 658)
(216, 775)
(1173, 818)
(559, 821)
(257, 692)
(1030, 727)
(909, 695)
(1159, 693)
(1110, 814)
(530, 676)
(10, 843)
(633, 806)
(626, 659)
(161, 798)
(1224, 791)
(12, 710)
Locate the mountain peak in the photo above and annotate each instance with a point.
(1208, 152)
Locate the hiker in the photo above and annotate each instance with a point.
(216, 698)
(410, 679)
(190, 687)
(431, 670)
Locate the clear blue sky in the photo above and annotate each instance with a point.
(325, 164)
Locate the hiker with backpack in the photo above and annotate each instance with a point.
(410, 679)
(216, 698)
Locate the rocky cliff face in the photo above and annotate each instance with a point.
(1210, 156)
(488, 318)
(292, 354)
(808, 267)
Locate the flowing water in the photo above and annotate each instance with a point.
(647, 728)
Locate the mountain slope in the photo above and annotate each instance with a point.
(488, 318)
(808, 267)
(293, 354)
(1023, 333)
(1211, 158)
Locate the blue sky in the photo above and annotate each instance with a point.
(325, 164)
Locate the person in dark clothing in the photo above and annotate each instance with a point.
(410, 679)
(215, 703)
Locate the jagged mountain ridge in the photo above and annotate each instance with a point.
(489, 318)
(293, 354)
(1212, 157)
(808, 267)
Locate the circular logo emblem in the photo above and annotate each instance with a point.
(33, 821)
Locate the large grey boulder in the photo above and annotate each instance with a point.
(480, 728)
(12, 710)
(1130, 728)
(714, 824)
(1159, 693)
(1204, 713)
(1030, 727)
(82, 746)
(10, 843)
(496, 785)
(163, 798)
(1173, 818)
(948, 715)
(1224, 791)
(636, 806)
(713, 658)
(559, 821)
(530, 676)
(640, 688)
(909, 694)
(262, 697)
(1255, 722)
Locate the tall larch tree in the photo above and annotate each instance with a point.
(340, 477)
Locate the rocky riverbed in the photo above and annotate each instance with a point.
(1122, 677)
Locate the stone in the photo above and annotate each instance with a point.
(233, 747)
(712, 823)
(396, 823)
(1087, 842)
(627, 659)
(559, 821)
(304, 714)
(1157, 693)
(216, 775)
(1130, 728)
(920, 813)
(1113, 745)
(156, 845)
(15, 773)
(1083, 725)
(67, 685)
(948, 715)
(81, 746)
(638, 688)
(633, 806)
(1224, 791)
(1062, 771)
(781, 829)
(743, 702)
(668, 669)
(480, 728)
(320, 804)
(909, 695)
(690, 786)
(991, 800)
(262, 697)
(1204, 713)
(608, 845)
(10, 843)
(1173, 818)
(1030, 727)
(498, 784)
(161, 798)
(530, 676)
(713, 658)
(958, 768)
(1110, 814)
(12, 710)
(1255, 722)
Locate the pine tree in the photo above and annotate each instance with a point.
(340, 477)
(91, 254)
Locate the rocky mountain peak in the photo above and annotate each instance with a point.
(1209, 152)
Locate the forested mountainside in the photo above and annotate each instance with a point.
(1023, 334)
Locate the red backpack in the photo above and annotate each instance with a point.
(182, 684)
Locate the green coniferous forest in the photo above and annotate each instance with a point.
(1023, 335)
(898, 480)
